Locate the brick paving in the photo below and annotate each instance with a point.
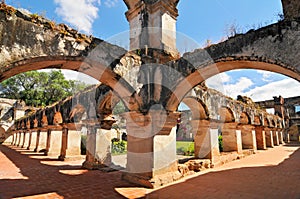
(274, 173)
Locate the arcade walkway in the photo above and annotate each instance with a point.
(274, 173)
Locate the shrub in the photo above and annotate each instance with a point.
(220, 143)
(118, 147)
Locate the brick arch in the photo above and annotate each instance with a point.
(226, 115)
(198, 108)
(266, 122)
(274, 48)
(79, 64)
(46, 45)
(257, 120)
(245, 118)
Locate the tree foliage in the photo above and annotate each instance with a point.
(40, 88)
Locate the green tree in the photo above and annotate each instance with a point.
(40, 88)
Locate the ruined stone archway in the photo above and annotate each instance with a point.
(46, 45)
(268, 48)
(197, 107)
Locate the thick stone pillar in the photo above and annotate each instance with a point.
(260, 138)
(70, 146)
(287, 137)
(22, 139)
(13, 139)
(232, 138)
(32, 142)
(248, 136)
(18, 139)
(152, 23)
(26, 139)
(98, 145)
(41, 141)
(280, 135)
(269, 138)
(206, 139)
(151, 148)
(54, 140)
(275, 137)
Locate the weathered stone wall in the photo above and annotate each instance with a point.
(276, 45)
(291, 9)
(272, 48)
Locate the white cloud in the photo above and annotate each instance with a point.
(220, 83)
(217, 82)
(286, 88)
(233, 90)
(111, 3)
(79, 13)
(266, 75)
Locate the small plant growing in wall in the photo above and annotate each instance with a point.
(8, 10)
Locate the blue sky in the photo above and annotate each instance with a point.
(199, 20)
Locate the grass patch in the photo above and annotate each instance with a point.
(185, 148)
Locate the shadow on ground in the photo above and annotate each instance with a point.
(44, 178)
(280, 181)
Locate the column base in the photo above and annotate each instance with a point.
(70, 158)
(154, 182)
(93, 165)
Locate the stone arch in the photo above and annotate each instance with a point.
(226, 115)
(266, 122)
(198, 108)
(57, 118)
(273, 122)
(77, 113)
(244, 118)
(45, 45)
(263, 49)
(257, 120)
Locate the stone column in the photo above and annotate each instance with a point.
(287, 137)
(70, 146)
(151, 148)
(26, 139)
(13, 139)
(41, 141)
(280, 135)
(269, 137)
(248, 136)
(98, 145)
(23, 136)
(54, 140)
(232, 138)
(206, 140)
(32, 142)
(29, 140)
(260, 138)
(275, 137)
(18, 138)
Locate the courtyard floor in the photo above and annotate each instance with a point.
(274, 173)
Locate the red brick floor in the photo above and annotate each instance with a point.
(274, 173)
